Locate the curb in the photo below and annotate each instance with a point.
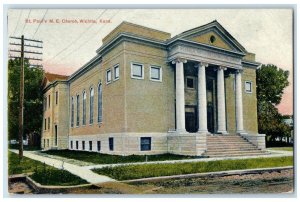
(44, 189)
(213, 174)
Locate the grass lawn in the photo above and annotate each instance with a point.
(98, 158)
(43, 174)
(25, 147)
(155, 170)
(282, 148)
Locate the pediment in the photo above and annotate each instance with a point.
(213, 34)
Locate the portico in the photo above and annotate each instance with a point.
(220, 63)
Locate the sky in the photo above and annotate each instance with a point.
(68, 43)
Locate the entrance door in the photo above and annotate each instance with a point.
(190, 119)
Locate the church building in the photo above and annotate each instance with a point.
(146, 92)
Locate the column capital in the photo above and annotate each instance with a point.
(239, 71)
(178, 60)
(201, 64)
(221, 67)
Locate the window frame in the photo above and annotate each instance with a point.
(90, 145)
(106, 77)
(83, 145)
(160, 73)
(77, 110)
(251, 87)
(98, 145)
(149, 145)
(91, 112)
(84, 108)
(135, 76)
(56, 97)
(100, 97)
(111, 144)
(117, 66)
(72, 112)
(49, 102)
(186, 82)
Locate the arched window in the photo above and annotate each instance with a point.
(77, 110)
(72, 112)
(91, 105)
(84, 108)
(99, 103)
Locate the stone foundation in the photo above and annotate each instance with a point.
(259, 140)
(192, 144)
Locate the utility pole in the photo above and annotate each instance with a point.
(21, 108)
(22, 51)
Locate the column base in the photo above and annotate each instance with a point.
(181, 131)
(223, 132)
(241, 132)
(203, 131)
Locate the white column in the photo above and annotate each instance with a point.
(239, 102)
(180, 106)
(202, 106)
(221, 101)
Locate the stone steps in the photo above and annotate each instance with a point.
(230, 145)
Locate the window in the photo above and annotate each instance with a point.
(108, 76)
(145, 143)
(190, 82)
(83, 145)
(84, 108)
(91, 105)
(48, 123)
(98, 145)
(55, 133)
(45, 103)
(111, 143)
(71, 144)
(72, 112)
(137, 71)
(116, 72)
(45, 124)
(100, 103)
(44, 143)
(76, 144)
(248, 86)
(212, 39)
(155, 73)
(49, 101)
(56, 97)
(77, 109)
(90, 145)
(48, 143)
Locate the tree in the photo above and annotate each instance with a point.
(271, 82)
(33, 98)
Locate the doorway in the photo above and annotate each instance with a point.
(211, 104)
(191, 119)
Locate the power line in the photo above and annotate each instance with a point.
(18, 22)
(72, 42)
(89, 39)
(25, 22)
(40, 24)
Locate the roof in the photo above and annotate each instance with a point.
(49, 77)
(54, 77)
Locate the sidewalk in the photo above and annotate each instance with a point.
(82, 172)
